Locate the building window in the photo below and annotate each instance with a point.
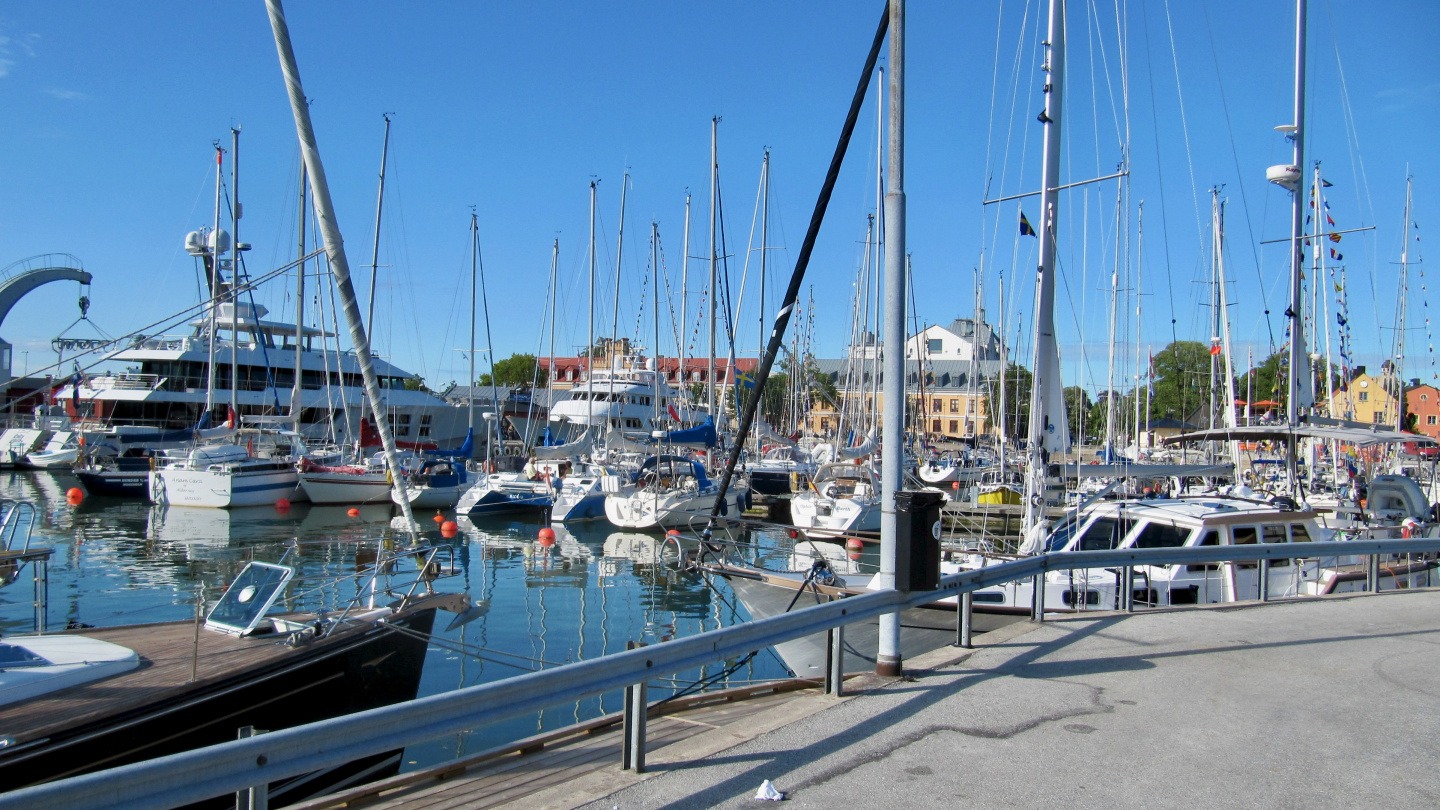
(1424, 397)
(936, 405)
(1430, 420)
(954, 406)
(1377, 416)
(970, 406)
(935, 426)
(1364, 396)
(954, 426)
(937, 345)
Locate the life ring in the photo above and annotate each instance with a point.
(1248, 477)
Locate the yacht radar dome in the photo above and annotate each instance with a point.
(1285, 176)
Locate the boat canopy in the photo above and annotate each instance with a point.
(676, 464)
(1346, 432)
(579, 447)
(1147, 470)
(702, 435)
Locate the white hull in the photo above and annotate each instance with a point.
(47, 461)
(433, 497)
(346, 487)
(668, 510)
(225, 489)
(828, 518)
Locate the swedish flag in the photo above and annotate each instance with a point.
(1025, 228)
(745, 379)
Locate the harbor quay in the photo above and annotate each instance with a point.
(1322, 703)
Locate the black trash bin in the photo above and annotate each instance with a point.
(917, 517)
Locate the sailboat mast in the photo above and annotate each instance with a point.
(714, 214)
(590, 339)
(682, 375)
(1400, 321)
(335, 247)
(214, 280)
(1000, 420)
(1114, 307)
(1299, 359)
(1046, 363)
(892, 455)
(551, 375)
(764, 243)
(1139, 265)
(470, 383)
(492, 428)
(235, 273)
(655, 285)
(1227, 366)
(619, 251)
(375, 251)
(298, 387)
(1214, 303)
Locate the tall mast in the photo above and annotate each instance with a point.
(655, 285)
(375, 252)
(492, 427)
(764, 242)
(590, 339)
(714, 214)
(214, 279)
(1322, 284)
(1214, 304)
(1227, 366)
(1114, 306)
(892, 455)
(335, 248)
(470, 384)
(684, 305)
(295, 391)
(235, 272)
(1000, 420)
(1400, 325)
(1299, 359)
(619, 251)
(1046, 365)
(1139, 265)
(551, 375)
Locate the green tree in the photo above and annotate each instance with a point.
(1182, 380)
(1017, 402)
(517, 369)
(415, 384)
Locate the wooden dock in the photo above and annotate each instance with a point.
(580, 763)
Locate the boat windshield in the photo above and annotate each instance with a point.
(248, 597)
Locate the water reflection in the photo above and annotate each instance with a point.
(593, 590)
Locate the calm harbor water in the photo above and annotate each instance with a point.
(597, 589)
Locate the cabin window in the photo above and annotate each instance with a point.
(424, 431)
(1211, 538)
(1275, 533)
(1160, 535)
(425, 418)
(1298, 533)
(1244, 536)
(1101, 536)
(1092, 598)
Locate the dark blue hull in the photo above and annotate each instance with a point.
(115, 484)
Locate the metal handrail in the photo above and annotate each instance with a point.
(221, 769)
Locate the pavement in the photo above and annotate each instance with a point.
(1322, 703)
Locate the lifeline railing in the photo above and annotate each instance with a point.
(243, 764)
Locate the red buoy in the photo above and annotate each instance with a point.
(794, 534)
(673, 533)
(449, 528)
(547, 537)
(74, 496)
(955, 485)
(353, 512)
(439, 518)
(855, 544)
(282, 505)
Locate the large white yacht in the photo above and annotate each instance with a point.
(165, 385)
(628, 395)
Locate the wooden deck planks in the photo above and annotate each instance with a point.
(512, 777)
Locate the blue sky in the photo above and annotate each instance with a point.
(111, 109)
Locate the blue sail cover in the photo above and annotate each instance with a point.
(703, 434)
(466, 449)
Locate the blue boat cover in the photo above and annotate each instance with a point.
(703, 434)
(466, 449)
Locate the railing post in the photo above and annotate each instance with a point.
(835, 661)
(962, 620)
(1265, 580)
(636, 708)
(1372, 579)
(257, 797)
(1127, 593)
(1037, 600)
(41, 575)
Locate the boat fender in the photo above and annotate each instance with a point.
(724, 507)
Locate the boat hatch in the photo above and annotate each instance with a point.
(248, 598)
(12, 657)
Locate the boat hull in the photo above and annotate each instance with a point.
(345, 487)
(376, 667)
(116, 483)
(225, 490)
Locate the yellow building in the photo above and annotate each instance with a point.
(1370, 398)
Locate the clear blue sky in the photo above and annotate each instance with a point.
(111, 109)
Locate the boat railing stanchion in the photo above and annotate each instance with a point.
(632, 751)
(1037, 597)
(257, 797)
(1265, 580)
(963, 625)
